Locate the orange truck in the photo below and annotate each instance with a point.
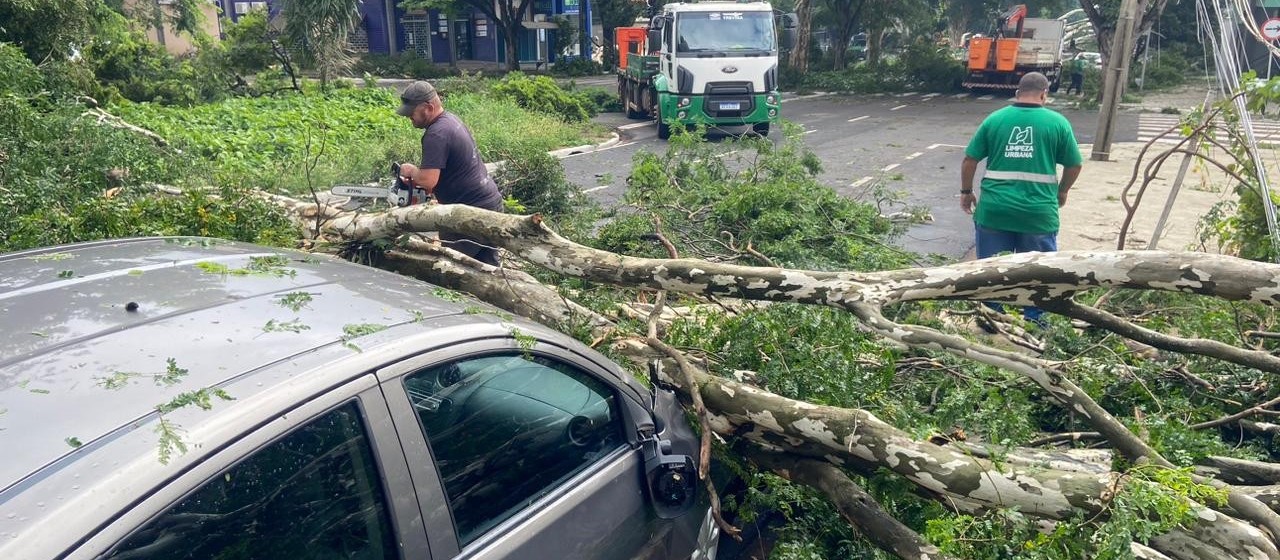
(1019, 45)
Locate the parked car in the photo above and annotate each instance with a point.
(1092, 59)
(195, 398)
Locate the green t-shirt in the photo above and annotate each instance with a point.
(1023, 145)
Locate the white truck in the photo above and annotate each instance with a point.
(712, 63)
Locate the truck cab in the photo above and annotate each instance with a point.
(712, 63)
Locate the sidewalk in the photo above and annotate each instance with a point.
(1093, 216)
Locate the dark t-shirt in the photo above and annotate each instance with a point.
(447, 145)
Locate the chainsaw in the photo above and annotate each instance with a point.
(400, 193)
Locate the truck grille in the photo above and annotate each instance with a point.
(728, 100)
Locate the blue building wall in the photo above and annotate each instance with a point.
(485, 39)
(374, 16)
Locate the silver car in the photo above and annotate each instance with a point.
(194, 398)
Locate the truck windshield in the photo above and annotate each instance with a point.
(724, 31)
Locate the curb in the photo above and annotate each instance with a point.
(807, 96)
(566, 152)
(587, 148)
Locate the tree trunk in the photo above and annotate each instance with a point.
(799, 58)
(875, 38)
(1047, 485)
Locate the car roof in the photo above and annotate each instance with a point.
(95, 336)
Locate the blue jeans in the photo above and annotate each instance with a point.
(992, 242)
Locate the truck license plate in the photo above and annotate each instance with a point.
(731, 106)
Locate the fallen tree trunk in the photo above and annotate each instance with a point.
(855, 439)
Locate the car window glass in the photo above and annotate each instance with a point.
(506, 430)
(314, 493)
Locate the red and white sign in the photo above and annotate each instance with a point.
(1271, 29)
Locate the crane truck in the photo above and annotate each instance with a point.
(1019, 45)
(712, 63)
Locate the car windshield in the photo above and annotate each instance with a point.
(725, 31)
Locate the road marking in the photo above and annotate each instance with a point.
(856, 119)
(961, 95)
(987, 97)
(635, 125)
(945, 146)
(930, 95)
(899, 107)
(915, 155)
(594, 189)
(810, 131)
(890, 167)
(619, 145)
(907, 94)
(860, 182)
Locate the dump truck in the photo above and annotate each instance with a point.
(1018, 45)
(713, 63)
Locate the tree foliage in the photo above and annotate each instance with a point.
(318, 30)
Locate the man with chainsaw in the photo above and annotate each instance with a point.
(451, 168)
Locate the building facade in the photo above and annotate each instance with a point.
(388, 29)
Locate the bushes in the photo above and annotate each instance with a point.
(536, 180)
(402, 65)
(922, 67)
(56, 167)
(600, 99)
(542, 94)
(576, 67)
(17, 74)
(1170, 69)
(928, 68)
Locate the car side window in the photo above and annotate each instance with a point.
(314, 493)
(506, 430)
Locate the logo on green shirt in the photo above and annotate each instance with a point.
(1021, 144)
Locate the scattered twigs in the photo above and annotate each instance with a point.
(700, 408)
(1262, 334)
(858, 507)
(108, 119)
(1204, 347)
(1065, 437)
(1237, 416)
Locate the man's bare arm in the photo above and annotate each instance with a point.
(1069, 176)
(968, 169)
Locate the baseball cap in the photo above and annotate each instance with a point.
(418, 92)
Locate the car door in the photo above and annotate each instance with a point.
(326, 479)
(522, 452)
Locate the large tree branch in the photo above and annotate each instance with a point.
(858, 440)
(1021, 279)
(858, 507)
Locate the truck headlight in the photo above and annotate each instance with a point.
(771, 99)
(773, 112)
(684, 102)
(682, 114)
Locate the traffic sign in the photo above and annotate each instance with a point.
(1271, 29)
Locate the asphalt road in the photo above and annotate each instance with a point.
(910, 143)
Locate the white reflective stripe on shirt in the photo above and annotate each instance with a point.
(1021, 176)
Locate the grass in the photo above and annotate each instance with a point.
(292, 142)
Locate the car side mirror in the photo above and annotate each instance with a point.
(672, 480)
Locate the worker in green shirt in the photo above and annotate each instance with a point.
(1020, 193)
(1075, 68)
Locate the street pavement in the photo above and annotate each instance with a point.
(910, 144)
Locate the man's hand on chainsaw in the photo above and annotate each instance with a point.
(406, 172)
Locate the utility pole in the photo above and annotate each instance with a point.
(1114, 79)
